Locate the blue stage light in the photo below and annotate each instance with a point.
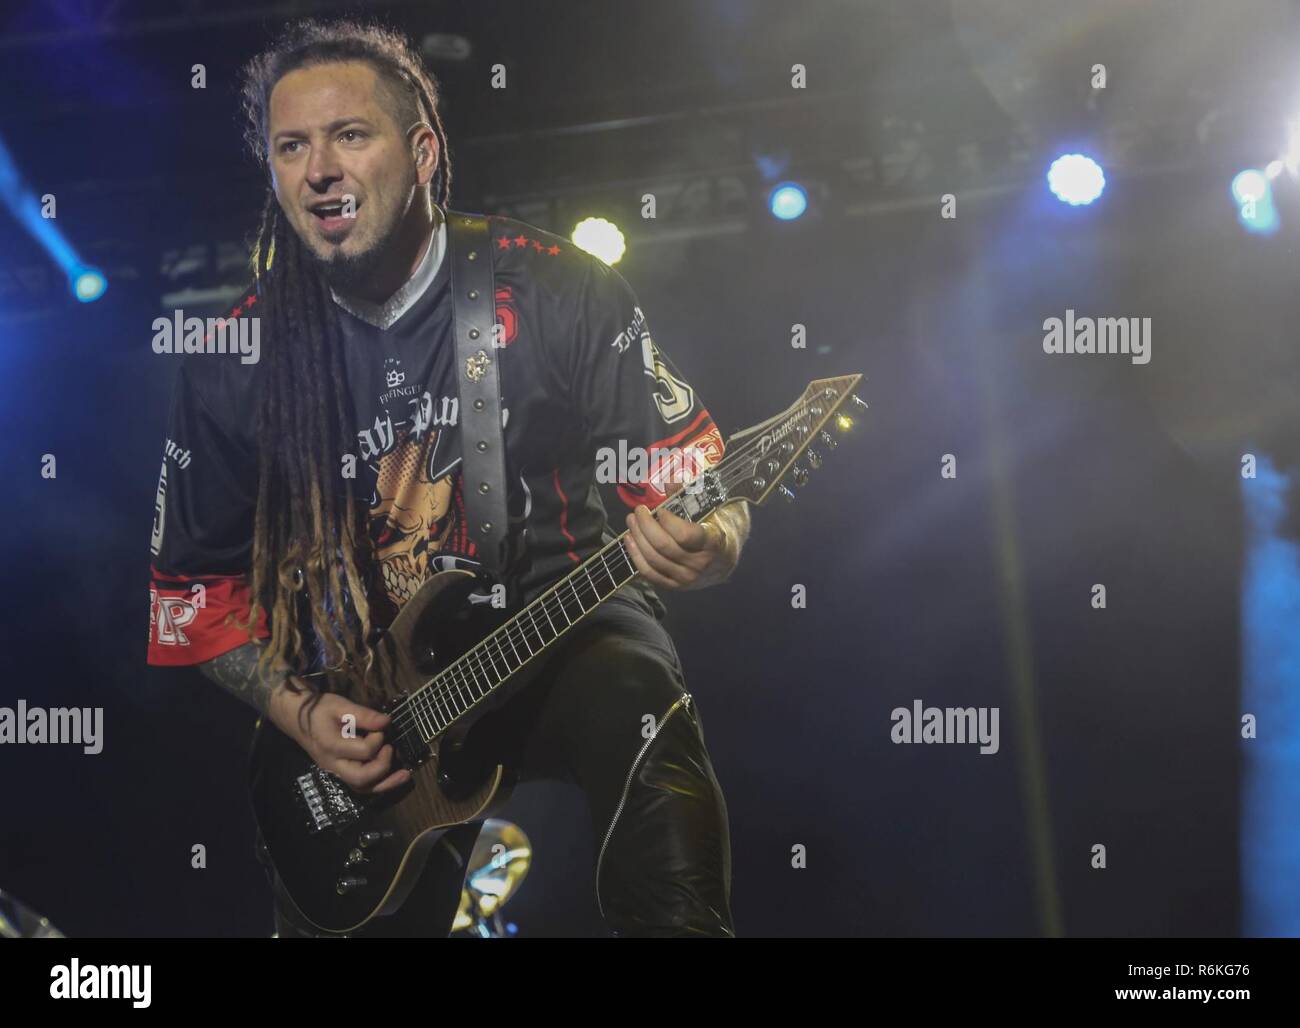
(1076, 179)
(28, 209)
(1253, 193)
(788, 201)
(88, 284)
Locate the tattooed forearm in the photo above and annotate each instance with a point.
(237, 673)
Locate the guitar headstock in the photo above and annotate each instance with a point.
(759, 459)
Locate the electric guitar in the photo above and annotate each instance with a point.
(344, 857)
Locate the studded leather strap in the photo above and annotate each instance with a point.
(483, 465)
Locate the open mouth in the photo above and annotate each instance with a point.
(331, 216)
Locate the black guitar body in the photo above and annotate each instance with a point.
(343, 857)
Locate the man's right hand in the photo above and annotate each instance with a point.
(363, 762)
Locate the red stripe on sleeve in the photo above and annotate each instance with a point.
(188, 618)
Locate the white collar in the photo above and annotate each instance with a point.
(384, 315)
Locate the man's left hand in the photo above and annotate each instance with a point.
(674, 553)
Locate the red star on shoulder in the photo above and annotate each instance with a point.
(504, 244)
(553, 250)
(237, 312)
(250, 301)
(537, 246)
(521, 241)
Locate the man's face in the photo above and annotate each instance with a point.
(331, 136)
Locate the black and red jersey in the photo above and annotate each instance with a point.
(579, 372)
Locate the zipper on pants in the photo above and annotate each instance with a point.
(683, 700)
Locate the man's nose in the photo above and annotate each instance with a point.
(323, 167)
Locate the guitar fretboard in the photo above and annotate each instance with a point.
(460, 686)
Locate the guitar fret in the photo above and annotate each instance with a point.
(440, 698)
(422, 723)
(433, 715)
(458, 686)
(512, 646)
(532, 621)
(549, 621)
(480, 668)
(576, 596)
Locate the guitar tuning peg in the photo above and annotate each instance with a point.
(829, 440)
(814, 458)
(800, 476)
(859, 401)
(785, 493)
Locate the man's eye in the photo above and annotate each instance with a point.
(353, 132)
(284, 147)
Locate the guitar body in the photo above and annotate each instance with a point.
(345, 858)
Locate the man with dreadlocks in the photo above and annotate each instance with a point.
(270, 563)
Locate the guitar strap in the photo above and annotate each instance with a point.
(478, 382)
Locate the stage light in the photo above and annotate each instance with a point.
(600, 237)
(1253, 193)
(85, 283)
(88, 284)
(788, 201)
(1249, 185)
(1075, 179)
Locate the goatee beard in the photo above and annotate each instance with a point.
(348, 273)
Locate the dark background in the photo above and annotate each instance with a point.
(1118, 727)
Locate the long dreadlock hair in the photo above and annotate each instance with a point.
(312, 550)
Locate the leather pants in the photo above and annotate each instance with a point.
(609, 711)
(664, 867)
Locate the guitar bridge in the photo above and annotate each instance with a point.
(328, 802)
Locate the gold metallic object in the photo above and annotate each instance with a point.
(497, 867)
(476, 366)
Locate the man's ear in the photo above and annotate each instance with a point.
(426, 155)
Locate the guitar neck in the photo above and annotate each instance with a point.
(489, 664)
(755, 462)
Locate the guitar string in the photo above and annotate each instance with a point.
(466, 683)
(408, 715)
